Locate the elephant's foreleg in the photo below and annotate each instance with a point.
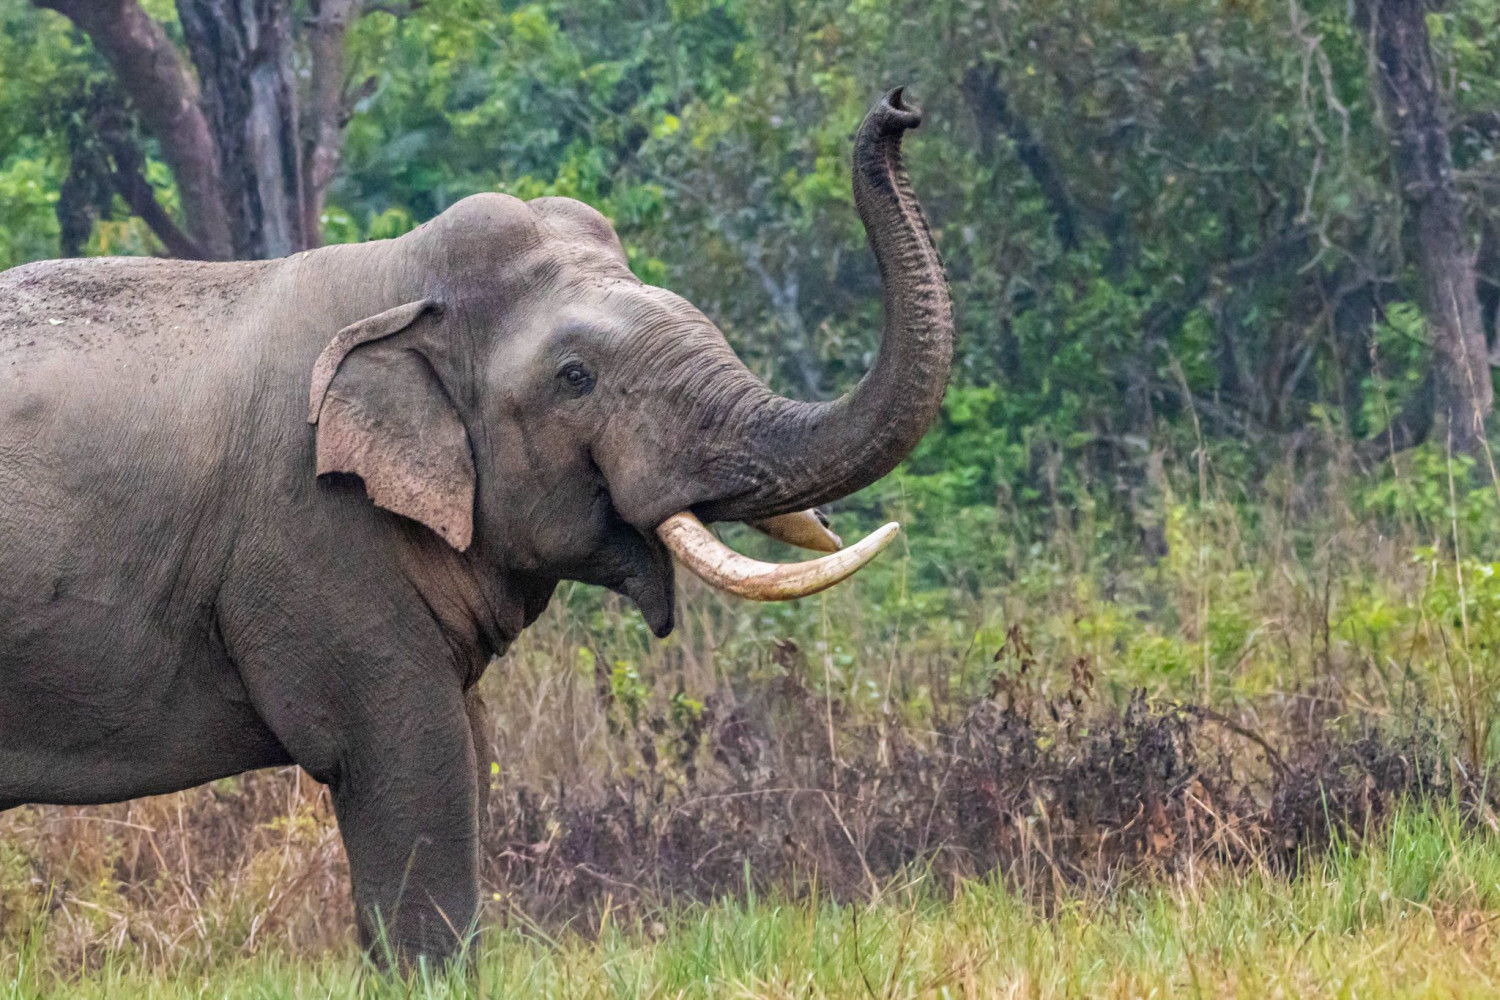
(407, 808)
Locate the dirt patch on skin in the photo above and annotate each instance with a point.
(138, 312)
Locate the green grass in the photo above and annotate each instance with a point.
(1413, 913)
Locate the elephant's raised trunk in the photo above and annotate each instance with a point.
(795, 455)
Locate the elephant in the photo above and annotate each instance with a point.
(280, 512)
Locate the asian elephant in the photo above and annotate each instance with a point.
(195, 582)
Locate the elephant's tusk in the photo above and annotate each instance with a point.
(805, 529)
(720, 566)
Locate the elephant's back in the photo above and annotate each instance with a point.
(116, 378)
(131, 305)
(114, 375)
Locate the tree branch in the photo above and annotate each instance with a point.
(396, 10)
(129, 179)
(1482, 124)
(151, 71)
(1407, 428)
(991, 107)
(1487, 282)
(77, 208)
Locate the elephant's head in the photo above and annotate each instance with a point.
(547, 411)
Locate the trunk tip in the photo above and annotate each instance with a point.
(894, 115)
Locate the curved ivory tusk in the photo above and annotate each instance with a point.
(720, 566)
(804, 529)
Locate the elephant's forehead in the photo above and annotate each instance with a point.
(555, 266)
(575, 221)
(634, 306)
(574, 298)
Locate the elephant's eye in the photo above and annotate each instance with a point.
(577, 378)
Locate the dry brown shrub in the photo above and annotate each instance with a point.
(767, 783)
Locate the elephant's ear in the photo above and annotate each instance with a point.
(383, 415)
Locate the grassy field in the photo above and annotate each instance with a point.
(1411, 915)
(1253, 757)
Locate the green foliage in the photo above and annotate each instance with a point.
(1462, 604)
(54, 92)
(1447, 498)
(1235, 263)
(28, 226)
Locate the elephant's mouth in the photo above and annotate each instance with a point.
(653, 589)
(636, 565)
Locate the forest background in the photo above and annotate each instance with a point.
(1211, 515)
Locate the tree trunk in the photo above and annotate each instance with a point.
(1417, 119)
(325, 108)
(252, 162)
(243, 52)
(161, 86)
(1487, 276)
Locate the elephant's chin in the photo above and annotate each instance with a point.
(640, 567)
(654, 595)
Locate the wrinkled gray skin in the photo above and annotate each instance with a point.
(183, 597)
